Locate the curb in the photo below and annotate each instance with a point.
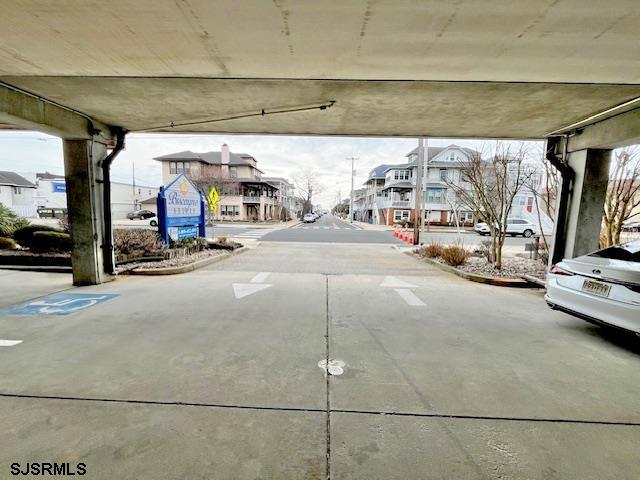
(536, 280)
(185, 268)
(497, 282)
(295, 225)
(37, 268)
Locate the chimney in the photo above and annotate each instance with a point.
(224, 154)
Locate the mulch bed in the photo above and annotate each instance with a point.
(512, 267)
(172, 262)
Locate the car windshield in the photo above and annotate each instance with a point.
(629, 252)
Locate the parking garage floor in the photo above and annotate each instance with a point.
(221, 373)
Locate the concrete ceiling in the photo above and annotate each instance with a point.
(474, 68)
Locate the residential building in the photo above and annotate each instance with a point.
(443, 168)
(286, 199)
(16, 193)
(391, 188)
(359, 204)
(244, 194)
(51, 193)
(373, 186)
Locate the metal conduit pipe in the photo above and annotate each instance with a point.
(566, 178)
(107, 243)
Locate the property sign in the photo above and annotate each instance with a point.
(212, 199)
(180, 210)
(59, 187)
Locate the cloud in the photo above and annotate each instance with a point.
(277, 155)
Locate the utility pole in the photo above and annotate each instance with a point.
(425, 174)
(419, 203)
(133, 178)
(351, 213)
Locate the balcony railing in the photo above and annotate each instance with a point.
(258, 199)
(389, 203)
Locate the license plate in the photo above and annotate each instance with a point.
(597, 288)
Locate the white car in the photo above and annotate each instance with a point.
(601, 287)
(309, 218)
(515, 226)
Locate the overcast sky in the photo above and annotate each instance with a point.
(282, 156)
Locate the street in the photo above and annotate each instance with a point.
(330, 228)
(221, 373)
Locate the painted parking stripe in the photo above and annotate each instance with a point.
(409, 297)
(9, 343)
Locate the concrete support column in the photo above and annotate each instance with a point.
(586, 200)
(83, 172)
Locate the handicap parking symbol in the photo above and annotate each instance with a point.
(59, 304)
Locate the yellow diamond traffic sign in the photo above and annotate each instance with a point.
(212, 198)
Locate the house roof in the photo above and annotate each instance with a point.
(378, 172)
(49, 176)
(14, 180)
(434, 151)
(399, 185)
(211, 158)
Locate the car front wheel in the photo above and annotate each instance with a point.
(527, 233)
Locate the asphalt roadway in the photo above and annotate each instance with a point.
(221, 374)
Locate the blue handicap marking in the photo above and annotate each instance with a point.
(59, 304)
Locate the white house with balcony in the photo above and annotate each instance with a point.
(444, 167)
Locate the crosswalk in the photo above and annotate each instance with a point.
(306, 227)
(254, 234)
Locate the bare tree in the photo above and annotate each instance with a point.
(489, 186)
(225, 185)
(544, 187)
(623, 194)
(308, 185)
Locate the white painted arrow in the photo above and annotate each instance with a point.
(260, 277)
(9, 343)
(241, 290)
(393, 282)
(410, 297)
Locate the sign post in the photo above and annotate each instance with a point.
(180, 211)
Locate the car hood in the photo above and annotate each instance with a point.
(604, 268)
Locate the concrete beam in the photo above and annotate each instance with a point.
(23, 110)
(614, 132)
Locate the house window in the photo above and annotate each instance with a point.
(452, 157)
(233, 172)
(401, 215)
(179, 167)
(436, 195)
(444, 174)
(229, 210)
(17, 190)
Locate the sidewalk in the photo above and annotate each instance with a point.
(431, 229)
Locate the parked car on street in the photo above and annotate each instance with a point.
(631, 227)
(515, 226)
(601, 287)
(309, 218)
(140, 215)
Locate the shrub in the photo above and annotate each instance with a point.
(10, 222)
(8, 243)
(454, 255)
(63, 224)
(51, 242)
(432, 250)
(24, 236)
(137, 240)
